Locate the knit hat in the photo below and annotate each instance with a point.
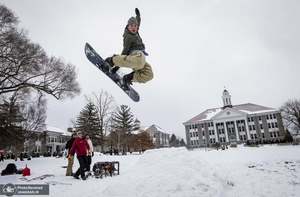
(132, 20)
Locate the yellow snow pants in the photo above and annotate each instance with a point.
(137, 61)
(70, 165)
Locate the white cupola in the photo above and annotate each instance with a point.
(226, 99)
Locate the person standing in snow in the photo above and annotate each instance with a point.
(133, 54)
(1, 157)
(70, 157)
(90, 152)
(81, 148)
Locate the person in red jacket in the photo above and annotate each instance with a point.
(81, 148)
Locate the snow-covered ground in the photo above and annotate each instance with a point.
(244, 171)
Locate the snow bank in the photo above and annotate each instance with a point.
(243, 171)
(167, 172)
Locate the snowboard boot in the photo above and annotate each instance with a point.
(127, 80)
(109, 60)
(112, 69)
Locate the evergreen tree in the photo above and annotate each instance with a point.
(11, 132)
(137, 124)
(182, 143)
(88, 122)
(123, 122)
(288, 137)
(173, 140)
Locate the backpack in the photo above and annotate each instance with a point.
(11, 168)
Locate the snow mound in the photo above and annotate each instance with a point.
(167, 171)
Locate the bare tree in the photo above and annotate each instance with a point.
(105, 106)
(34, 113)
(291, 114)
(21, 115)
(25, 65)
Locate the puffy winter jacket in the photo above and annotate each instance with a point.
(132, 41)
(80, 147)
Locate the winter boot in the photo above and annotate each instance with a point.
(109, 60)
(127, 80)
(113, 69)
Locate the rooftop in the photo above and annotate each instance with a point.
(57, 130)
(248, 108)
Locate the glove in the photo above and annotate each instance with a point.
(92, 154)
(137, 12)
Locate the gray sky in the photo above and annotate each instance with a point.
(196, 48)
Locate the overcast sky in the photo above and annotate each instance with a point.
(196, 48)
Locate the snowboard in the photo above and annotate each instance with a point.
(99, 62)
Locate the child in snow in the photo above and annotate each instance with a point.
(90, 152)
(133, 54)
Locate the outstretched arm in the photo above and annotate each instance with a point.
(138, 16)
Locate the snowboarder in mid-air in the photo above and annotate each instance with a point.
(133, 54)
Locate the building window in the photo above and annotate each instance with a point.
(263, 135)
(248, 119)
(250, 127)
(274, 116)
(267, 117)
(259, 118)
(276, 125)
(271, 134)
(269, 125)
(273, 126)
(261, 126)
(252, 119)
